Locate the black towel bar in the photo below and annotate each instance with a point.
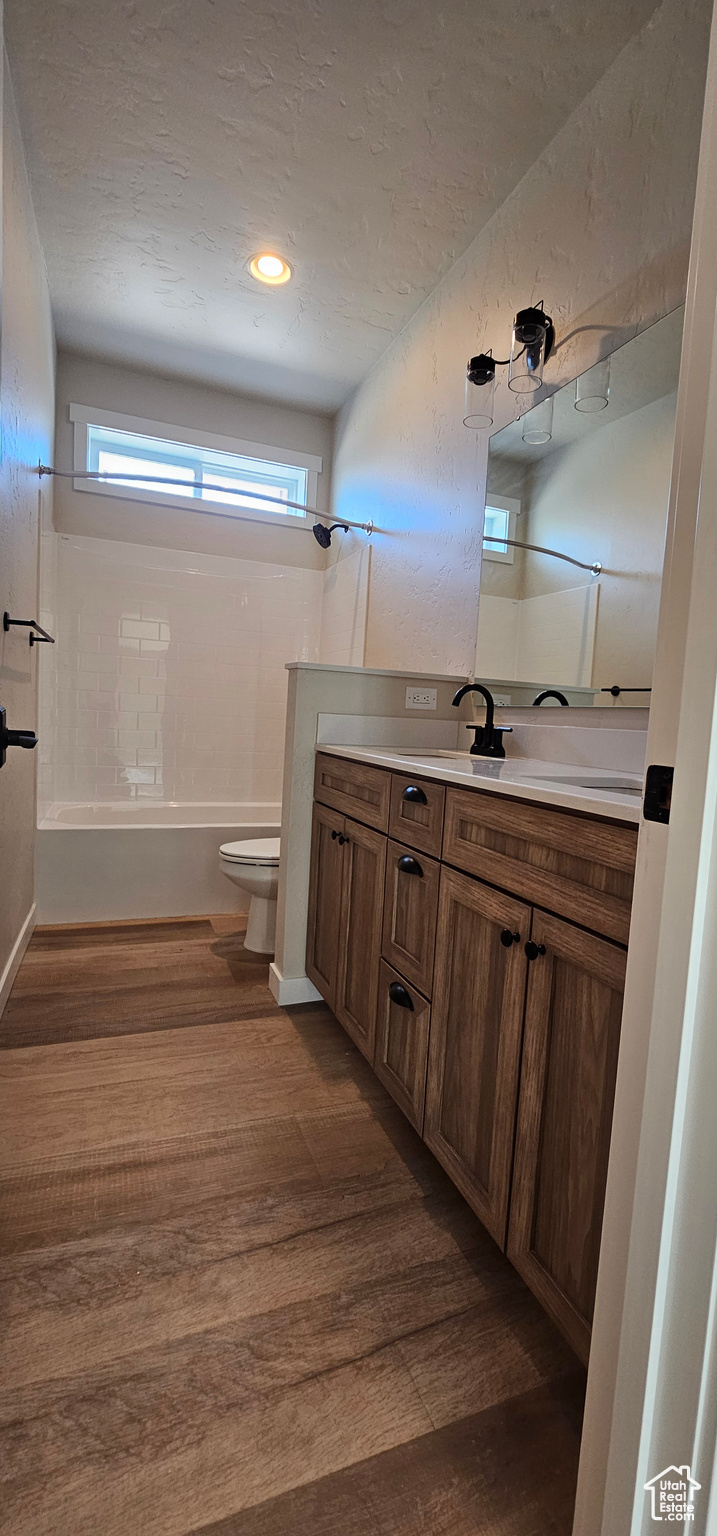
(39, 638)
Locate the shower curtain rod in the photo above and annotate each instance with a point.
(326, 517)
(491, 538)
(96, 474)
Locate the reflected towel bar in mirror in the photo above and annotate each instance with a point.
(616, 690)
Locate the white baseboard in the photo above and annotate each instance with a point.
(16, 954)
(291, 989)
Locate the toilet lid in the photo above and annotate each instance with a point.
(253, 850)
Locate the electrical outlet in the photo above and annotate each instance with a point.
(421, 698)
(501, 700)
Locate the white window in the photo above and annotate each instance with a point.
(501, 513)
(217, 474)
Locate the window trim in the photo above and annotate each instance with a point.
(84, 416)
(511, 505)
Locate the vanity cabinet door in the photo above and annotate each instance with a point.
(402, 1030)
(325, 892)
(476, 1030)
(572, 1034)
(409, 914)
(364, 866)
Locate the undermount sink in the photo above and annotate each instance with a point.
(590, 781)
(441, 752)
(624, 784)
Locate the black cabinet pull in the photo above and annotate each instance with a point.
(533, 950)
(409, 866)
(414, 794)
(400, 996)
(342, 839)
(508, 938)
(334, 834)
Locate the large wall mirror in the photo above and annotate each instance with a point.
(585, 473)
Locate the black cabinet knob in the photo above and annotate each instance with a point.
(413, 793)
(409, 866)
(533, 950)
(400, 996)
(342, 839)
(508, 938)
(334, 834)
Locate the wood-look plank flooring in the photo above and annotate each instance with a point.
(239, 1297)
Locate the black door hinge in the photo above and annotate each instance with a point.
(658, 793)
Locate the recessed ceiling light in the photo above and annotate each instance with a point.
(270, 269)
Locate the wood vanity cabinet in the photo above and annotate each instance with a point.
(325, 891)
(402, 1031)
(473, 946)
(572, 1035)
(344, 923)
(409, 914)
(416, 814)
(476, 1032)
(360, 934)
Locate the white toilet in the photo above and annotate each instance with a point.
(253, 865)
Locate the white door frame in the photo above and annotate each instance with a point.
(652, 1384)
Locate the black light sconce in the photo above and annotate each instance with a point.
(532, 342)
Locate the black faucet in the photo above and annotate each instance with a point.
(489, 737)
(551, 693)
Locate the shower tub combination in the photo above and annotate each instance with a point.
(115, 860)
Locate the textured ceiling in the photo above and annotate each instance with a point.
(368, 141)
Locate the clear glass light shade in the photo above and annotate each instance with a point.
(527, 356)
(538, 423)
(478, 405)
(592, 389)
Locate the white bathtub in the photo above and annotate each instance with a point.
(118, 859)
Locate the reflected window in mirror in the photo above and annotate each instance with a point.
(501, 515)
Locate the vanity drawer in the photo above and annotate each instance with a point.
(576, 866)
(402, 1032)
(417, 813)
(358, 789)
(410, 909)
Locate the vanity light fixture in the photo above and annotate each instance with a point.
(532, 342)
(271, 269)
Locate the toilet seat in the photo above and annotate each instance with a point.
(252, 850)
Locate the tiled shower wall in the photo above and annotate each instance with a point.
(170, 680)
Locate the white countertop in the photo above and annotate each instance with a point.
(521, 778)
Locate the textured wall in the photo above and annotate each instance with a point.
(26, 410)
(599, 228)
(134, 392)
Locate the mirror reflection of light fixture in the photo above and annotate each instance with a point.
(531, 345)
(592, 389)
(538, 423)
